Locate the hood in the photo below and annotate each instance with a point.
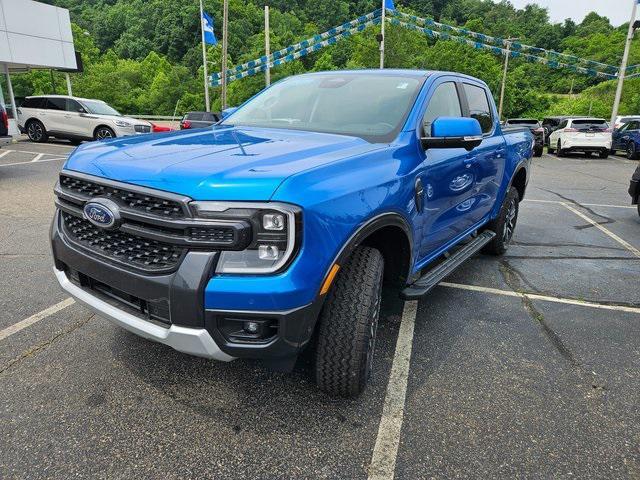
(216, 163)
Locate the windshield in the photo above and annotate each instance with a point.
(100, 108)
(590, 124)
(523, 121)
(370, 106)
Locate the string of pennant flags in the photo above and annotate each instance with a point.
(441, 31)
(513, 45)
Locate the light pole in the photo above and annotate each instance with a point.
(633, 24)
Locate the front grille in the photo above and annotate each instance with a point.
(221, 235)
(136, 201)
(142, 128)
(130, 250)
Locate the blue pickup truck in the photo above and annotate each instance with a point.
(274, 231)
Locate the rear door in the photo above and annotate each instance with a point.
(54, 118)
(76, 124)
(622, 136)
(487, 161)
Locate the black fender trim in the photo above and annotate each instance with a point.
(523, 164)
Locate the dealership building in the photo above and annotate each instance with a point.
(33, 35)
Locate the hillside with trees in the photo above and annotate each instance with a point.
(144, 56)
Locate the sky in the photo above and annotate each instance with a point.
(618, 11)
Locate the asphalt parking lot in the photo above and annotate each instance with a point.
(522, 366)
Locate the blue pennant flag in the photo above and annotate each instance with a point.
(388, 4)
(207, 27)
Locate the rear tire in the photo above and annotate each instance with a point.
(561, 153)
(632, 151)
(36, 131)
(504, 225)
(550, 149)
(348, 324)
(538, 152)
(604, 154)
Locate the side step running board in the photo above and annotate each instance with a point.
(425, 283)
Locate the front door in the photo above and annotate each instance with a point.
(446, 177)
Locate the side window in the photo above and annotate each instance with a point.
(444, 103)
(479, 106)
(563, 124)
(625, 127)
(56, 104)
(73, 106)
(634, 125)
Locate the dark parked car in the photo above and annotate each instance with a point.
(199, 120)
(634, 188)
(536, 129)
(4, 127)
(627, 138)
(551, 124)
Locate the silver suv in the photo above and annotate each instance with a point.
(74, 119)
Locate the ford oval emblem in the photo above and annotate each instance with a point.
(102, 213)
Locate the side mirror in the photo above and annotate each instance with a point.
(228, 111)
(454, 132)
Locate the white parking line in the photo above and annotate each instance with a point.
(546, 298)
(557, 202)
(27, 322)
(385, 452)
(30, 162)
(38, 157)
(6, 152)
(604, 230)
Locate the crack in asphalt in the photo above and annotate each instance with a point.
(513, 278)
(43, 345)
(588, 209)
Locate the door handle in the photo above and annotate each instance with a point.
(500, 153)
(469, 161)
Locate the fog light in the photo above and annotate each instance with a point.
(251, 327)
(273, 221)
(268, 252)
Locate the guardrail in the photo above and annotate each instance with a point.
(155, 117)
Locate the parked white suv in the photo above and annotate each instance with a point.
(75, 119)
(581, 135)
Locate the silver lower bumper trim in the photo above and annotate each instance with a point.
(194, 341)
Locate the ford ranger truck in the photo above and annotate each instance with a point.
(276, 230)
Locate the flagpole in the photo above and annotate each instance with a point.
(267, 46)
(225, 21)
(623, 66)
(382, 34)
(204, 60)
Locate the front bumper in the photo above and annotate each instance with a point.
(179, 299)
(194, 341)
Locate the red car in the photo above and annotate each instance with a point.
(155, 128)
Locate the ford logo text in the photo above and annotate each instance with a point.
(102, 213)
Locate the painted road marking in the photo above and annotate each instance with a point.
(385, 452)
(546, 298)
(38, 157)
(30, 162)
(604, 230)
(557, 202)
(27, 322)
(6, 152)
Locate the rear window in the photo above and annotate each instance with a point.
(196, 116)
(589, 124)
(210, 117)
(37, 102)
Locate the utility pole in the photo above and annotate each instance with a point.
(623, 65)
(204, 60)
(267, 47)
(384, 16)
(225, 46)
(504, 77)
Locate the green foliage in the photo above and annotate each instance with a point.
(144, 56)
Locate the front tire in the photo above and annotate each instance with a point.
(103, 133)
(604, 154)
(36, 132)
(348, 324)
(632, 151)
(505, 224)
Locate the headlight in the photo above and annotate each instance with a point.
(122, 123)
(275, 238)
